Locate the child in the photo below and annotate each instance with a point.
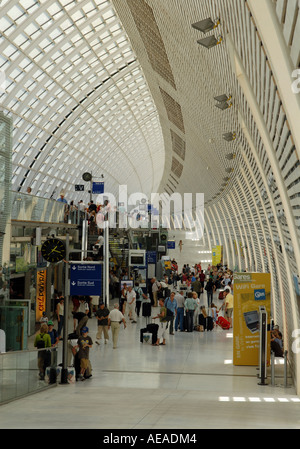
(214, 313)
(44, 319)
(84, 344)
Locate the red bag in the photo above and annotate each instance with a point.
(223, 323)
(221, 295)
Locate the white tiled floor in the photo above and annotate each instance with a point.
(188, 384)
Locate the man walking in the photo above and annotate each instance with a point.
(102, 318)
(130, 305)
(156, 286)
(114, 319)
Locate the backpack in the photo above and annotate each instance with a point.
(169, 313)
(41, 343)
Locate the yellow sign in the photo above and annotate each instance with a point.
(217, 255)
(251, 290)
(40, 294)
(167, 264)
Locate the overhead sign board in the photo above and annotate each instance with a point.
(85, 279)
(79, 188)
(98, 187)
(171, 244)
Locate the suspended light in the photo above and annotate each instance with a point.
(206, 25)
(229, 137)
(223, 102)
(230, 156)
(210, 42)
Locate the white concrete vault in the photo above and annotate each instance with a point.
(122, 88)
(78, 98)
(251, 183)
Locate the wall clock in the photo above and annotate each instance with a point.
(53, 250)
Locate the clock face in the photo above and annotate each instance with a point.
(53, 250)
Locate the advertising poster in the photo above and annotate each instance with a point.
(251, 290)
(40, 294)
(217, 255)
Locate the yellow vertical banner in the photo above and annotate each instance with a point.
(251, 290)
(40, 294)
(217, 255)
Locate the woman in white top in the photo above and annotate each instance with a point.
(60, 310)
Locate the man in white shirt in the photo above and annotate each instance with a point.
(114, 319)
(130, 304)
(156, 286)
(98, 247)
(81, 315)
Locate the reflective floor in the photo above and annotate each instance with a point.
(190, 383)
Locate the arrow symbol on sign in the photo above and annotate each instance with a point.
(73, 283)
(73, 268)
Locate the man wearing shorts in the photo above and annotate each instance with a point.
(84, 344)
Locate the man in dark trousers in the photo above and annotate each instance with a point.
(102, 318)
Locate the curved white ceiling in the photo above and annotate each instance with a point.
(78, 99)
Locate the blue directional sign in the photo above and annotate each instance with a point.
(98, 187)
(151, 257)
(85, 279)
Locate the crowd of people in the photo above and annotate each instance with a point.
(182, 301)
(177, 302)
(75, 213)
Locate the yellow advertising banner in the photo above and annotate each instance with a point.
(167, 264)
(251, 290)
(217, 255)
(40, 294)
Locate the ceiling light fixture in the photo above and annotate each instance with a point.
(223, 102)
(210, 42)
(206, 25)
(229, 137)
(230, 156)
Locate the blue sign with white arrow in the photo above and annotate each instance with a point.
(85, 279)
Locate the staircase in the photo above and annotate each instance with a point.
(118, 247)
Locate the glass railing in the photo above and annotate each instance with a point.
(33, 208)
(20, 373)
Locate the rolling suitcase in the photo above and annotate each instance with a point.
(223, 323)
(153, 329)
(146, 309)
(185, 323)
(142, 332)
